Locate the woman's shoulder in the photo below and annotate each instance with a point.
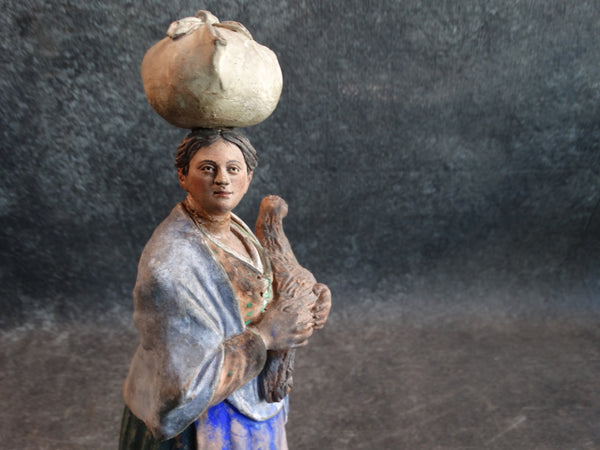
(176, 226)
(174, 241)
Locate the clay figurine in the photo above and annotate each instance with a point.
(218, 313)
(219, 310)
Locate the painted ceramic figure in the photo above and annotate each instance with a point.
(218, 313)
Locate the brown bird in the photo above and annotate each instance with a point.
(295, 289)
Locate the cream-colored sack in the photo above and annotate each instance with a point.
(210, 74)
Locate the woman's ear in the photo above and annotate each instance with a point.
(182, 179)
(248, 181)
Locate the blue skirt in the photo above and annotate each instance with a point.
(222, 428)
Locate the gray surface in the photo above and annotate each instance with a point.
(375, 378)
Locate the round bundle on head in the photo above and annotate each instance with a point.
(211, 74)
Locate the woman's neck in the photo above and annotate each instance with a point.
(217, 225)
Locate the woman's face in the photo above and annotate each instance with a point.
(217, 178)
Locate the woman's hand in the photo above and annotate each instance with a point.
(282, 328)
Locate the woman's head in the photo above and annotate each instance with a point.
(203, 137)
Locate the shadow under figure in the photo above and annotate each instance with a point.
(219, 312)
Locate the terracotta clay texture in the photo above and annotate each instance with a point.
(296, 289)
(210, 74)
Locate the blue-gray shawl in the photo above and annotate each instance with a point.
(185, 308)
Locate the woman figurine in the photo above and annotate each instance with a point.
(201, 301)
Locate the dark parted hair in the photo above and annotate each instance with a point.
(203, 137)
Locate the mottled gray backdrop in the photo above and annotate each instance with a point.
(432, 150)
(441, 161)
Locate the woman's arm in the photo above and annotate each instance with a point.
(246, 353)
(244, 357)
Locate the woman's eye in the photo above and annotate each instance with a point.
(234, 169)
(207, 169)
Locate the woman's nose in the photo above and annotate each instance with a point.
(221, 177)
